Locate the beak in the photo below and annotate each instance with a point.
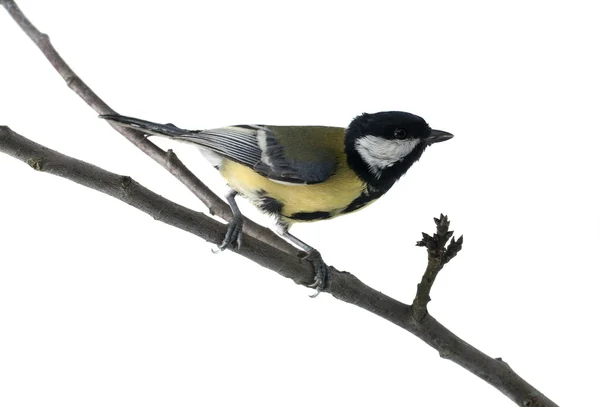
(437, 136)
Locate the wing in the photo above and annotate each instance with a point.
(297, 155)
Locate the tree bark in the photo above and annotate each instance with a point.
(344, 286)
(260, 244)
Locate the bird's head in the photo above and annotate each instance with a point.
(382, 146)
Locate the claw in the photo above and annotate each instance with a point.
(233, 236)
(315, 294)
(322, 276)
(234, 229)
(239, 239)
(315, 284)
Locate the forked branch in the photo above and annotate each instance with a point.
(344, 286)
(438, 254)
(262, 246)
(167, 160)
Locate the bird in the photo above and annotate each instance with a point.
(305, 173)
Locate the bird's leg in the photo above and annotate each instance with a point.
(322, 275)
(234, 228)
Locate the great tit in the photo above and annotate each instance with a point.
(306, 173)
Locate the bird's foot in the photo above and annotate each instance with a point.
(322, 274)
(233, 236)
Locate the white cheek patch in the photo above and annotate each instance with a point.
(379, 153)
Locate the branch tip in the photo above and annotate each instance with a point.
(271, 252)
(439, 252)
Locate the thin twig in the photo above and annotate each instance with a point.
(170, 162)
(344, 286)
(268, 250)
(437, 256)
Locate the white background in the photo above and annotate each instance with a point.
(100, 305)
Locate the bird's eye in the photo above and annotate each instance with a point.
(400, 133)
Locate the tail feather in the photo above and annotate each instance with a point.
(168, 130)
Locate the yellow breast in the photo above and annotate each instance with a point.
(332, 195)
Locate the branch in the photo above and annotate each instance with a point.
(264, 247)
(167, 160)
(437, 256)
(344, 286)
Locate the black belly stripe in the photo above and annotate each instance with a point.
(371, 194)
(308, 216)
(359, 202)
(269, 204)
